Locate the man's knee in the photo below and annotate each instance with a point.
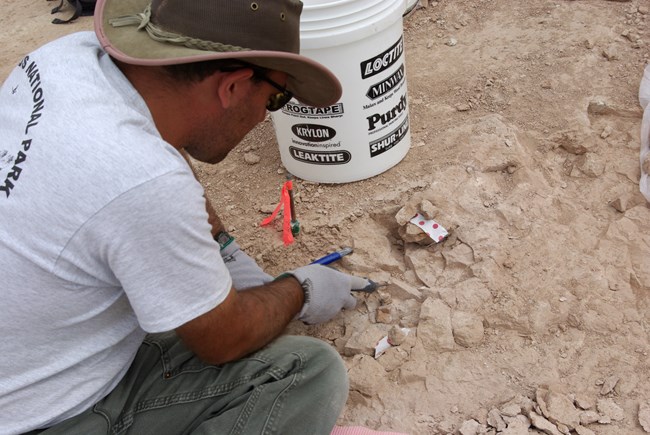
(322, 363)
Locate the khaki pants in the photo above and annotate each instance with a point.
(295, 385)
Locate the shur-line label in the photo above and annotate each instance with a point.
(387, 142)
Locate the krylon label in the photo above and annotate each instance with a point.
(313, 132)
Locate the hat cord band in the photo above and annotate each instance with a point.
(143, 21)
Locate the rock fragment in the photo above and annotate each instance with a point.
(495, 420)
(467, 328)
(403, 290)
(364, 342)
(543, 424)
(609, 385)
(611, 53)
(588, 417)
(609, 408)
(644, 415)
(396, 336)
(435, 328)
(583, 402)
(469, 427)
(252, 158)
(516, 427)
(581, 430)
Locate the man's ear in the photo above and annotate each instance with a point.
(233, 86)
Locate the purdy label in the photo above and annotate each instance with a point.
(383, 87)
(390, 140)
(385, 118)
(313, 132)
(320, 157)
(384, 60)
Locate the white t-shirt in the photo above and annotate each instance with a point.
(103, 233)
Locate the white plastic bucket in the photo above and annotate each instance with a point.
(367, 131)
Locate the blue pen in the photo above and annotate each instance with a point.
(334, 256)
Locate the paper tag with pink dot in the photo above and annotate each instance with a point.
(431, 227)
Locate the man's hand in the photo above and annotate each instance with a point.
(243, 269)
(327, 291)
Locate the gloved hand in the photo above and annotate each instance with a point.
(243, 269)
(327, 291)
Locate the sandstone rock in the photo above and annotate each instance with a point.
(396, 335)
(543, 424)
(511, 410)
(469, 427)
(581, 430)
(583, 402)
(517, 427)
(588, 417)
(384, 314)
(435, 328)
(609, 385)
(252, 158)
(609, 408)
(366, 375)
(364, 342)
(644, 415)
(561, 410)
(495, 420)
(467, 328)
(403, 290)
(393, 358)
(523, 402)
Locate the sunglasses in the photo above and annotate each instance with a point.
(276, 101)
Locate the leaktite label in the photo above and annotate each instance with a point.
(320, 157)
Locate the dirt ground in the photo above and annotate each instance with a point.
(533, 316)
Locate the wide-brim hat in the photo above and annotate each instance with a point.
(265, 33)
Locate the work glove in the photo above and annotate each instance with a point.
(327, 291)
(243, 269)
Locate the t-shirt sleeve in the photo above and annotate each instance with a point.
(155, 242)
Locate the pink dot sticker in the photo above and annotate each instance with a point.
(435, 226)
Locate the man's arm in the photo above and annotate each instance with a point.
(213, 218)
(244, 321)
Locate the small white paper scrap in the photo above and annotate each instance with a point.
(433, 229)
(383, 345)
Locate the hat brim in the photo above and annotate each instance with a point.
(310, 82)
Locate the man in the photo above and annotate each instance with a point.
(120, 313)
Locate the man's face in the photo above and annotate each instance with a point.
(213, 139)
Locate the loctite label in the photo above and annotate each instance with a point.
(382, 61)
